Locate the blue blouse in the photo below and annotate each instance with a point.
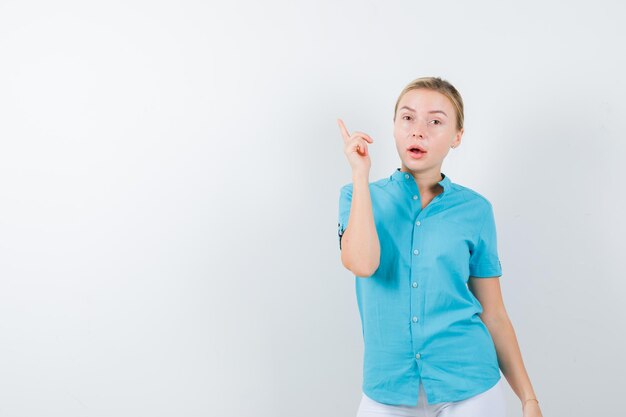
(419, 318)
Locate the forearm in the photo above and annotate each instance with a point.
(361, 247)
(510, 356)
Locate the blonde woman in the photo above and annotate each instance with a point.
(423, 249)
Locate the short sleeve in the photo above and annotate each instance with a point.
(345, 201)
(484, 260)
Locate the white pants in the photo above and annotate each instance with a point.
(490, 403)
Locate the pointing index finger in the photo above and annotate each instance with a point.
(344, 131)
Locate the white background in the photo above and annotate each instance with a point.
(169, 185)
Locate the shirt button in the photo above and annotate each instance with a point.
(414, 319)
(417, 356)
(418, 223)
(414, 284)
(406, 175)
(415, 197)
(416, 252)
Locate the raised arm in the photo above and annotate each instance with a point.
(360, 246)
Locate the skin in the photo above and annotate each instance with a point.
(414, 122)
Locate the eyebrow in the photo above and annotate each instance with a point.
(432, 111)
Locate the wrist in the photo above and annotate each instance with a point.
(529, 400)
(360, 176)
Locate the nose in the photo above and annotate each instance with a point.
(418, 131)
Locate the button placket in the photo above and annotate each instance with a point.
(415, 270)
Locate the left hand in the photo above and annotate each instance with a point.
(531, 409)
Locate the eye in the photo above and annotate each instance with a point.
(404, 117)
(438, 122)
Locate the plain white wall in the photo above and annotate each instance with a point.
(169, 182)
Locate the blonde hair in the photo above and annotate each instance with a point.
(441, 86)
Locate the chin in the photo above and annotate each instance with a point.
(416, 165)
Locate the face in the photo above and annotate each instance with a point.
(426, 119)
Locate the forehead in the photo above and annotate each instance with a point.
(424, 99)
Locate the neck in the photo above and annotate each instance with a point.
(427, 182)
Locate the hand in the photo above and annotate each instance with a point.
(355, 148)
(531, 409)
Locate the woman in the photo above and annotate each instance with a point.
(437, 338)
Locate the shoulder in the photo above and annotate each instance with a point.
(472, 196)
(374, 186)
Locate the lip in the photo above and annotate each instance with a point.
(414, 156)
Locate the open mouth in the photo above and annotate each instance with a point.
(417, 152)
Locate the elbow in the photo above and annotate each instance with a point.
(363, 260)
(495, 320)
(366, 273)
(361, 270)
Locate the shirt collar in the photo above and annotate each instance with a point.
(398, 175)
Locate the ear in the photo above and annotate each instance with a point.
(457, 139)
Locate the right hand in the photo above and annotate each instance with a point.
(355, 148)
